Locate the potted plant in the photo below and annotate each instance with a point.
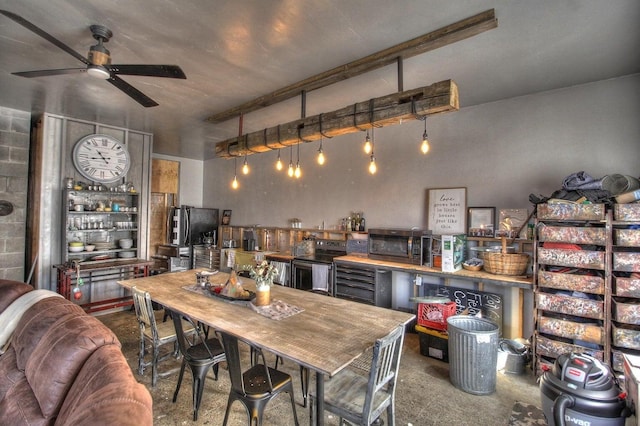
(263, 274)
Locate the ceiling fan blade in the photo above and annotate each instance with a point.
(134, 93)
(169, 71)
(51, 39)
(46, 73)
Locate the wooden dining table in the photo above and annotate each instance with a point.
(326, 336)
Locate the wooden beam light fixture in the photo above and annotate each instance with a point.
(441, 37)
(379, 112)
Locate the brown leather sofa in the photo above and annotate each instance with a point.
(64, 367)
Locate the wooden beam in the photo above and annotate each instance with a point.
(379, 112)
(444, 36)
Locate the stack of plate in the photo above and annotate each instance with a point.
(125, 243)
(127, 254)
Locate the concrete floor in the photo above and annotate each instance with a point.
(424, 395)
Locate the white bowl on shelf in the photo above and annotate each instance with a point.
(90, 247)
(76, 249)
(127, 254)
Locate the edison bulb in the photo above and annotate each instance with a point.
(279, 164)
(298, 171)
(372, 165)
(425, 144)
(245, 167)
(367, 144)
(290, 170)
(321, 158)
(234, 183)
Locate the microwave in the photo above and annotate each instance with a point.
(397, 245)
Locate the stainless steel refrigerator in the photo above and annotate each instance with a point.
(189, 225)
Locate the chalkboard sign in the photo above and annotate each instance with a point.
(488, 304)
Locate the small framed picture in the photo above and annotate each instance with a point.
(226, 217)
(481, 221)
(510, 222)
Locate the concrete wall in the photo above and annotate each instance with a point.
(14, 170)
(501, 152)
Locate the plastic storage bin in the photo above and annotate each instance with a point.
(473, 354)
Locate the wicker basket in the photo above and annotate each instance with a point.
(506, 263)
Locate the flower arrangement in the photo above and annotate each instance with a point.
(263, 273)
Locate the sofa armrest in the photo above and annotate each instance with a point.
(105, 389)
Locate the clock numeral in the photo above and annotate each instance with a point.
(119, 169)
(90, 170)
(85, 163)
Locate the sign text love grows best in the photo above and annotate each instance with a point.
(446, 209)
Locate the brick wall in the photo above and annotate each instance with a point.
(14, 168)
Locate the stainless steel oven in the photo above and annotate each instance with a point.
(302, 271)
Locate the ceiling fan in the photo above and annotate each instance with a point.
(98, 62)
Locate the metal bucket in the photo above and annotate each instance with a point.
(473, 354)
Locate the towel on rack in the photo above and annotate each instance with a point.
(283, 269)
(231, 258)
(320, 277)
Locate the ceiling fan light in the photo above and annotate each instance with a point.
(98, 71)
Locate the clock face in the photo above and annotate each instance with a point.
(101, 158)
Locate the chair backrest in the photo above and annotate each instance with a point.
(384, 367)
(183, 342)
(234, 363)
(144, 309)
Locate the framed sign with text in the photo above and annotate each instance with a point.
(447, 211)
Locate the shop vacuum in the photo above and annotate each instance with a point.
(581, 390)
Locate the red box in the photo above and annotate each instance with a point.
(434, 315)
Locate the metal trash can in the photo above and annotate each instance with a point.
(473, 354)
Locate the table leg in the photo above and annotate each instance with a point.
(320, 399)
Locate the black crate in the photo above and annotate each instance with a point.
(433, 343)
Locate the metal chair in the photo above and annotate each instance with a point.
(256, 386)
(200, 354)
(155, 334)
(361, 398)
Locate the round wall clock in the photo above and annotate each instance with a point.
(101, 158)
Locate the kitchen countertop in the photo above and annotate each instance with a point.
(479, 276)
(282, 256)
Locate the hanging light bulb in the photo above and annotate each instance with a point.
(424, 147)
(234, 183)
(372, 165)
(297, 173)
(367, 144)
(290, 170)
(245, 166)
(279, 162)
(321, 158)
